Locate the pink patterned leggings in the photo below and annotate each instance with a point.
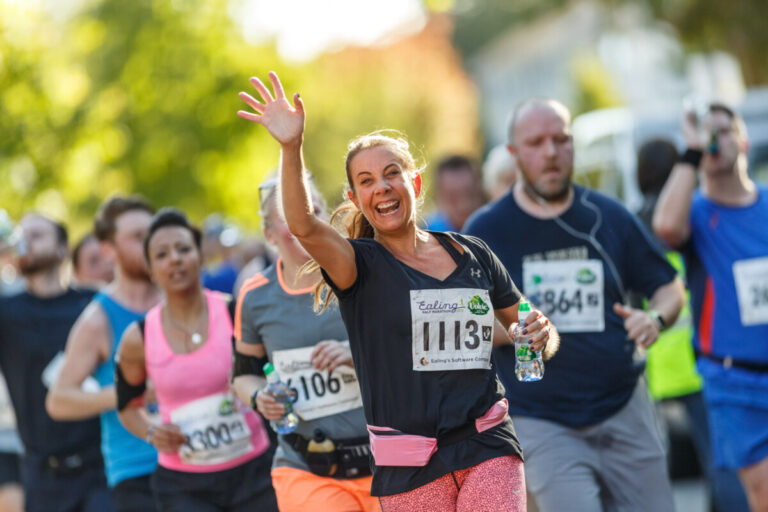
(496, 485)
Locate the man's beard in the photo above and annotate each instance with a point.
(132, 269)
(537, 193)
(30, 265)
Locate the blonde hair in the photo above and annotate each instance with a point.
(347, 218)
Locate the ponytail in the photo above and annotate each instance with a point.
(349, 220)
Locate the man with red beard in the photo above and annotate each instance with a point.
(121, 226)
(62, 468)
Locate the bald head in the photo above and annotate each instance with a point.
(532, 107)
(540, 140)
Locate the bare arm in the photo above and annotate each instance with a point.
(87, 347)
(670, 220)
(286, 124)
(167, 438)
(545, 335)
(246, 385)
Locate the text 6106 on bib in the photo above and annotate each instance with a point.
(319, 393)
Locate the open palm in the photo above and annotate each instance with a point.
(284, 122)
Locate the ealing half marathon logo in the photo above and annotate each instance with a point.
(477, 306)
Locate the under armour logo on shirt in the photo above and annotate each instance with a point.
(475, 272)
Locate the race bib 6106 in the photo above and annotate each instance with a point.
(319, 393)
(452, 329)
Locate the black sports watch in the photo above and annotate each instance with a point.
(659, 319)
(253, 399)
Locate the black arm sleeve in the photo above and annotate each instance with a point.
(126, 391)
(248, 365)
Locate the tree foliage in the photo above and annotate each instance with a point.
(141, 96)
(737, 27)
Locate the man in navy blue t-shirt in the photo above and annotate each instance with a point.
(61, 468)
(587, 428)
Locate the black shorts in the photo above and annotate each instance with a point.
(10, 471)
(243, 488)
(133, 495)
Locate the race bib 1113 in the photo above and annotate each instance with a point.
(452, 329)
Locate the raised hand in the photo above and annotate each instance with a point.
(691, 132)
(283, 121)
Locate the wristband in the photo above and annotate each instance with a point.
(658, 318)
(150, 433)
(253, 400)
(692, 157)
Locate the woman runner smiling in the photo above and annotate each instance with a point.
(419, 308)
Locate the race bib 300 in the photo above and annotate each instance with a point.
(217, 431)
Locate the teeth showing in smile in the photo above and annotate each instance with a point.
(388, 207)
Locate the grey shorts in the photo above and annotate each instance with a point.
(618, 465)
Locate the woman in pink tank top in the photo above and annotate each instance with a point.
(212, 449)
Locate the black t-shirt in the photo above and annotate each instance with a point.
(33, 331)
(406, 329)
(575, 281)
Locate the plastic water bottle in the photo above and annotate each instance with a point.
(529, 366)
(282, 395)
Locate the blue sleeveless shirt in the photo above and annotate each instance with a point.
(125, 455)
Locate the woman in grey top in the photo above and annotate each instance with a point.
(323, 465)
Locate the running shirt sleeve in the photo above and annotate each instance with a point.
(504, 292)
(646, 267)
(245, 327)
(359, 247)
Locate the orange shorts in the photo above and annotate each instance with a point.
(301, 491)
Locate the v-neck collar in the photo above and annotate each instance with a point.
(460, 264)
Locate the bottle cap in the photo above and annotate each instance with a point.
(525, 306)
(268, 368)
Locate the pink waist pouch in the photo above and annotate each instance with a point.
(391, 447)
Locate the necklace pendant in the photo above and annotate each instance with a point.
(196, 338)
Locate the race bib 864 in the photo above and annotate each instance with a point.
(569, 292)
